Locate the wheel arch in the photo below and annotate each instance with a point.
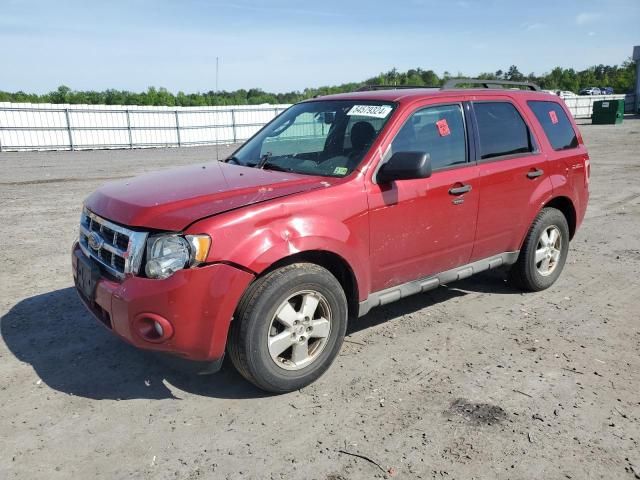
(566, 206)
(334, 263)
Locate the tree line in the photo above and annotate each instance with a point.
(620, 77)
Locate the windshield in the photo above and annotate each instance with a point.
(328, 138)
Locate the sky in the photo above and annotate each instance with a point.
(283, 45)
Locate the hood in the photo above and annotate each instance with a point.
(172, 199)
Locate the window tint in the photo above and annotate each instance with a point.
(555, 123)
(502, 130)
(438, 131)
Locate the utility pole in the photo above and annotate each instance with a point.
(217, 73)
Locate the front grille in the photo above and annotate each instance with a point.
(117, 249)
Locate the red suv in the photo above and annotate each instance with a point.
(340, 204)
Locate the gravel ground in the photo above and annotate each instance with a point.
(474, 380)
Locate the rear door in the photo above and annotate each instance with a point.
(513, 176)
(567, 157)
(425, 226)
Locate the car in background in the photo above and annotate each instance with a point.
(590, 91)
(606, 90)
(565, 93)
(560, 93)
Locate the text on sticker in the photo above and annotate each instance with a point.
(553, 117)
(376, 111)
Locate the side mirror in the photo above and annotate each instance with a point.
(405, 166)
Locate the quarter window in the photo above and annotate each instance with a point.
(438, 131)
(555, 123)
(501, 129)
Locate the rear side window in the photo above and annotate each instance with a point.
(502, 130)
(438, 131)
(555, 123)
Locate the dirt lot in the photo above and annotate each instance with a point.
(471, 381)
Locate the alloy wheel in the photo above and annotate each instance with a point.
(299, 330)
(548, 250)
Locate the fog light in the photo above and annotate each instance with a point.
(152, 327)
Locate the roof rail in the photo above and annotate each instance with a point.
(454, 82)
(368, 88)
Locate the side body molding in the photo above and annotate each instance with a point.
(392, 294)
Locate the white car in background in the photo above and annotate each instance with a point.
(565, 93)
(561, 93)
(590, 91)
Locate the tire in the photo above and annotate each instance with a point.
(527, 273)
(264, 324)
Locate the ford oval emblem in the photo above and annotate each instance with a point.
(95, 241)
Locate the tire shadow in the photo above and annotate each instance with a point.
(72, 353)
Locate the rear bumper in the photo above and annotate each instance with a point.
(196, 305)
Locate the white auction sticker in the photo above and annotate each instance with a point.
(377, 111)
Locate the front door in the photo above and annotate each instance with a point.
(425, 226)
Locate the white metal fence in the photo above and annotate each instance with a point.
(582, 106)
(75, 127)
(25, 126)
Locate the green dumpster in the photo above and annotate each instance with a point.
(607, 112)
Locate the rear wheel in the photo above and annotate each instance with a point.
(544, 252)
(289, 327)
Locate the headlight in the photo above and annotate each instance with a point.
(166, 254)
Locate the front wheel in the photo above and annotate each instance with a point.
(544, 252)
(289, 327)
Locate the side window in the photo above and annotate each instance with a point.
(501, 129)
(555, 123)
(438, 131)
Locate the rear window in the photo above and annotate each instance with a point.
(502, 130)
(555, 123)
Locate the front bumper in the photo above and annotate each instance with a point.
(198, 303)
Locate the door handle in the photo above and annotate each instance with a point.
(535, 173)
(460, 190)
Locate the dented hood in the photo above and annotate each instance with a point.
(172, 199)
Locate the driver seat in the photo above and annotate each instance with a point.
(362, 135)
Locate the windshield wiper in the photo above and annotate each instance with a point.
(273, 166)
(263, 160)
(265, 164)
